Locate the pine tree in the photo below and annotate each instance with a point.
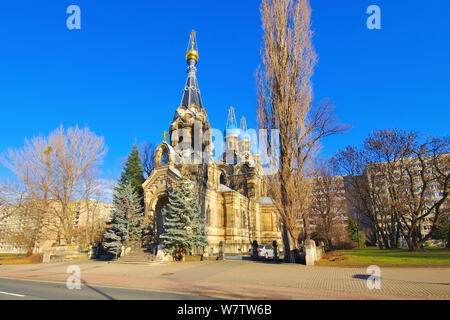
(184, 229)
(198, 235)
(131, 205)
(442, 228)
(133, 174)
(355, 233)
(117, 229)
(126, 221)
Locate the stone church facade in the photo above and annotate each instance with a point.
(232, 191)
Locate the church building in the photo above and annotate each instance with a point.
(231, 189)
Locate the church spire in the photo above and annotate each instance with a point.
(231, 121)
(191, 93)
(243, 124)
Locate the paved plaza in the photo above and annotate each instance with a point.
(249, 279)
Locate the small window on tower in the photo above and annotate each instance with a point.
(165, 157)
(222, 178)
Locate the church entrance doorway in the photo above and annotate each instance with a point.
(160, 218)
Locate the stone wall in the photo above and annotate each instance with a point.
(65, 253)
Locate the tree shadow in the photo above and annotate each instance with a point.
(96, 290)
(274, 261)
(365, 277)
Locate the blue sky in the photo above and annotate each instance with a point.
(123, 73)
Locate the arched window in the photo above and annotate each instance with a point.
(208, 216)
(165, 157)
(222, 178)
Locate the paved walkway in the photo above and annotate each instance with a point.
(249, 279)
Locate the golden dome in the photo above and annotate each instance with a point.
(192, 54)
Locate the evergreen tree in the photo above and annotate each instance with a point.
(133, 174)
(198, 225)
(355, 233)
(117, 229)
(442, 228)
(184, 228)
(126, 220)
(134, 212)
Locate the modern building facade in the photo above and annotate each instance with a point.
(18, 225)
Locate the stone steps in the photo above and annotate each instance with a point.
(138, 256)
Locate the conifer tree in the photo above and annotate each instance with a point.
(126, 221)
(134, 212)
(184, 228)
(117, 228)
(133, 174)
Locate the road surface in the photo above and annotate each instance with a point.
(11, 289)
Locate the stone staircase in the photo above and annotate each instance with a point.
(138, 256)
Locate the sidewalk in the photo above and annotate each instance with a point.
(249, 279)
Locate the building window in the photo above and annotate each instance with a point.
(165, 157)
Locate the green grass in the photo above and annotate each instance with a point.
(395, 257)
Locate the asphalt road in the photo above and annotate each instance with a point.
(12, 289)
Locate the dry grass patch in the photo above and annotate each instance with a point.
(333, 256)
(33, 259)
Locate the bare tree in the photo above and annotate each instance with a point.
(329, 205)
(12, 197)
(399, 183)
(421, 189)
(285, 103)
(21, 215)
(385, 149)
(32, 166)
(147, 153)
(89, 209)
(52, 169)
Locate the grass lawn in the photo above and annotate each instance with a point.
(396, 257)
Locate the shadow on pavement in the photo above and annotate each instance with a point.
(97, 290)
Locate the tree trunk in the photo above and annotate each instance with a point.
(290, 247)
(306, 228)
(448, 237)
(412, 245)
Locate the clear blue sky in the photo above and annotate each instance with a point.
(123, 73)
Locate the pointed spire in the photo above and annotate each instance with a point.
(243, 124)
(231, 121)
(192, 54)
(191, 93)
(244, 134)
